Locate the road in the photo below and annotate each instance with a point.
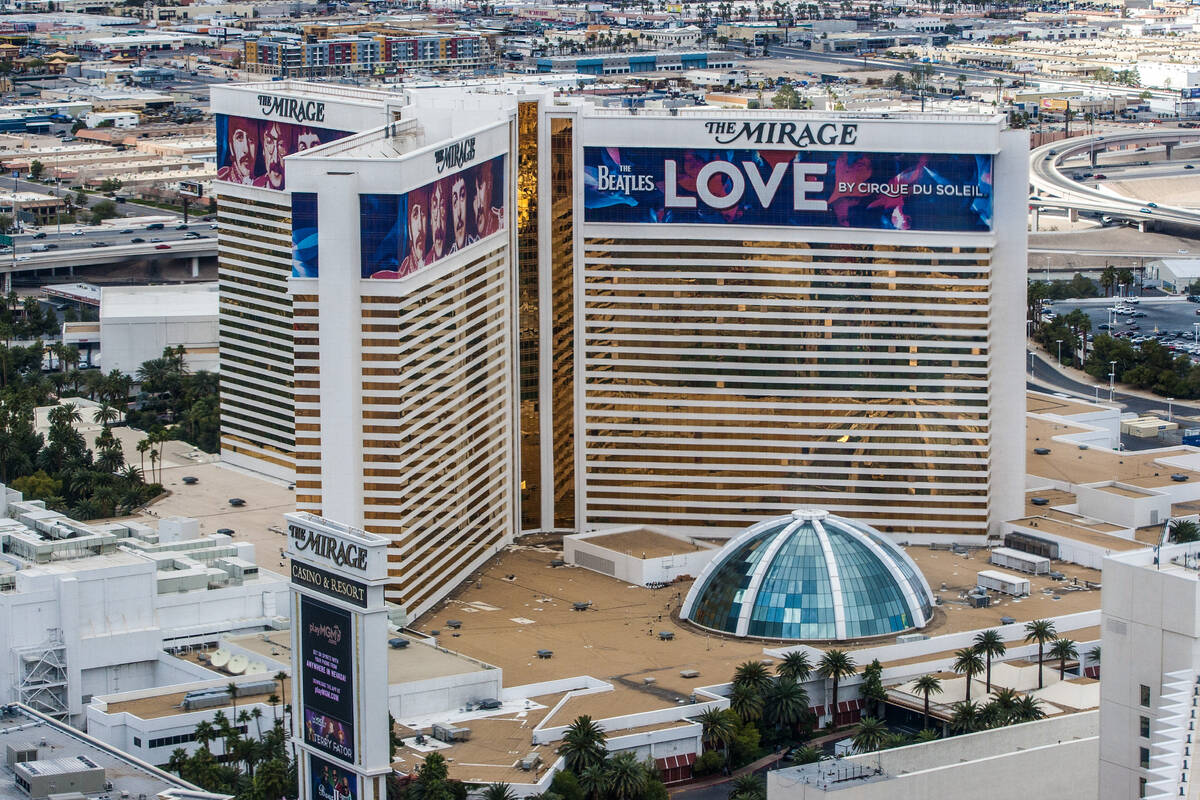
(112, 235)
(1045, 378)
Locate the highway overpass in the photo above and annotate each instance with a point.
(1052, 189)
(193, 249)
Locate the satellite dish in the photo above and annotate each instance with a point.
(237, 664)
(220, 658)
(256, 668)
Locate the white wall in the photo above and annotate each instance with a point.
(1132, 512)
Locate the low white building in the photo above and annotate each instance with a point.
(138, 322)
(89, 609)
(119, 119)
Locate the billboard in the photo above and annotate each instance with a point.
(331, 782)
(305, 253)
(828, 188)
(403, 233)
(1055, 104)
(251, 151)
(327, 682)
(1190, 93)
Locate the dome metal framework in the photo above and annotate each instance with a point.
(810, 576)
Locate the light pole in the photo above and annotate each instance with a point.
(1031, 363)
(1196, 333)
(1059, 351)
(1170, 401)
(1112, 376)
(1097, 388)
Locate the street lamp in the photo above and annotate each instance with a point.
(1059, 351)
(1170, 400)
(1196, 332)
(1112, 375)
(1031, 363)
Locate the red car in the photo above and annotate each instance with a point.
(162, 247)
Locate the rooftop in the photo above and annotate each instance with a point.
(644, 543)
(1071, 464)
(56, 741)
(183, 300)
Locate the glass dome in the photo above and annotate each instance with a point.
(810, 575)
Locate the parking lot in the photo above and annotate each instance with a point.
(1171, 320)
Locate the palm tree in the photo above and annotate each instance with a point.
(256, 715)
(1006, 700)
(748, 787)
(752, 674)
(746, 703)
(989, 644)
(142, 446)
(231, 687)
(1040, 631)
(1062, 649)
(205, 733)
(1094, 655)
(786, 704)
(594, 780)
(927, 685)
(718, 729)
(835, 665)
(870, 735)
(795, 665)
(626, 777)
(1184, 530)
(965, 717)
(968, 662)
(1029, 709)
(105, 414)
(583, 745)
(498, 791)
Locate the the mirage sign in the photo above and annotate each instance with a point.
(786, 184)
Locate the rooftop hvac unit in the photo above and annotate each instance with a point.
(397, 643)
(251, 688)
(531, 761)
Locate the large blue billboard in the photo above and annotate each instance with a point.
(880, 191)
(400, 234)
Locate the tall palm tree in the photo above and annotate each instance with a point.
(105, 415)
(1062, 649)
(1040, 631)
(989, 644)
(1006, 700)
(1094, 655)
(967, 661)
(870, 735)
(927, 685)
(231, 687)
(142, 446)
(753, 674)
(718, 729)
(835, 665)
(795, 665)
(583, 745)
(746, 703)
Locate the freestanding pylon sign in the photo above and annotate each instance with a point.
(339, 660)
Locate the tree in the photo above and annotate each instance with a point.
(626, 778)
(1063, 649)
(594, 780)
(498, 791)
(870, 735)
(1108, 279)
(786, 704)
(105, 209)
(927, 685)
(968, 662)
(1029, 709)
(835, 665)
(1040, 631)
(989, 643)
(746, 703)
(583, 745)
(1184, 530)
(964, 717)
(105, 415)
(717, 729)
(81, 198)
(786, 97)
(753, 674)
(36, 168)
(748, 787)
(872, 688)
(795, 665)
(110, 185)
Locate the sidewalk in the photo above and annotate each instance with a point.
(714, 780)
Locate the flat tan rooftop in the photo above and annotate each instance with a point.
(1081, 533)
(171, 703)
(644, 544)
(616, 638)
(1048, 404)
(1123, 491)
(1067, 462)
